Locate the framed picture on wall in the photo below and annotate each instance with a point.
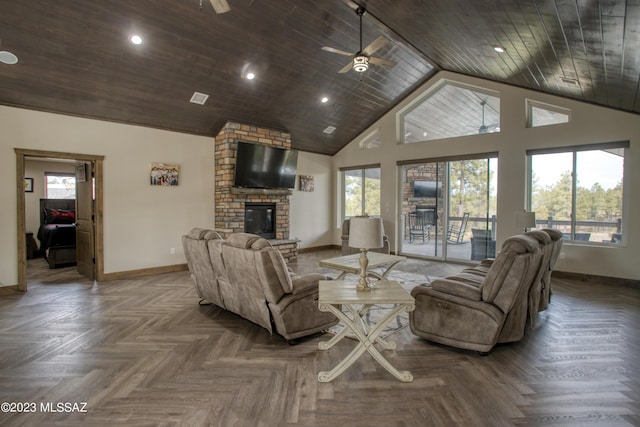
(28, 185)
(164, 174)
(306, 183)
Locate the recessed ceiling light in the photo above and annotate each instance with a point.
(499, 49)
(199, 98)
(251, 76)
(324, 100)
(8, 57)
(136, 39)
(329, 130)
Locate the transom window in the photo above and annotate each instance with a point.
(451, 110)
(539, 114)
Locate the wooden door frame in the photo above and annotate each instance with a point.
(21, 210)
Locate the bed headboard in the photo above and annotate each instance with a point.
(66, 204)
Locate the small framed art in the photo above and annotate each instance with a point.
(28, 185)
(81, 172)
(164, 174)
(306, 182)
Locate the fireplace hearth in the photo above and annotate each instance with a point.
(260, 219)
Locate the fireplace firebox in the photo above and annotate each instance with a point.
(260, 219)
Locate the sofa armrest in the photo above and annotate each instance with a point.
(487, 262)
(304, 283)
(458, 288)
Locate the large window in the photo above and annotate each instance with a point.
(579, 190)
(449, 207)
(361, 191)
(59, 185)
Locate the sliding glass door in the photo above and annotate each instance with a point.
(448, 208)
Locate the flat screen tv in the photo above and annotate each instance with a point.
(262, 166)
(427, 189)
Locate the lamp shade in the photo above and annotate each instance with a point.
(366, 232)
(525, 219)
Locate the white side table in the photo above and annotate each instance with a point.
(333, 293)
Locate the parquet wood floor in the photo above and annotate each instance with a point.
(143, 353)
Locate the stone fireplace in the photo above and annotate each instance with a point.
(230, 202)
(260, 219)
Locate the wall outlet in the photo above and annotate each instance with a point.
(172, 251)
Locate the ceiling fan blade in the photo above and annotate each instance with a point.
(383, 62)
(346, 67)
(375, 45)
(220, 6)
(338, 51)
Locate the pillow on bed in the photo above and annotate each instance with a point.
(59, 216)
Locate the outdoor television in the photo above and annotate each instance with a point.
(427, 189)
(262, 166)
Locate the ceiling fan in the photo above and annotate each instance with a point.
(484, 128)
(362, 58)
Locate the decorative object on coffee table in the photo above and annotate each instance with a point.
(366, 233)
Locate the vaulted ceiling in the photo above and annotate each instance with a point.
(75, 57)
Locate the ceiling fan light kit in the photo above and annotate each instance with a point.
(360, 63)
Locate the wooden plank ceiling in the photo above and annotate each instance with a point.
(75, 58)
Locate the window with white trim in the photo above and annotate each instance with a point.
(59, 185)
(579, 190)
(361, 191)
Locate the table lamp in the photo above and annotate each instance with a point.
(365, 233)
(525, 220)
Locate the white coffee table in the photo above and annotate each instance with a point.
(350, 264)
(333, 294)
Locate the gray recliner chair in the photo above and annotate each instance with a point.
(260, 288)
(471, 311)
(204, 276)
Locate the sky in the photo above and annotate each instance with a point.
(593, 166)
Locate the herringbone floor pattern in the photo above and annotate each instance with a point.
(143, 353)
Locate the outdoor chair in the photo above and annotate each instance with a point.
(420, 223)
(455, 233)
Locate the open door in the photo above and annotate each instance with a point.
(85, 246)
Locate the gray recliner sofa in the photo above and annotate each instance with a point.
(244, 274)
(475, 311)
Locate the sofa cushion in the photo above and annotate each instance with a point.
(274, 276)
(245, 240)
(511, 248)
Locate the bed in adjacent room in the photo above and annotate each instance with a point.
(57, 232)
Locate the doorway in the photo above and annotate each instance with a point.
(448, 208)
(96, 163)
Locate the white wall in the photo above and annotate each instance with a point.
(589, 124)
(310, 212)
(141, 223)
